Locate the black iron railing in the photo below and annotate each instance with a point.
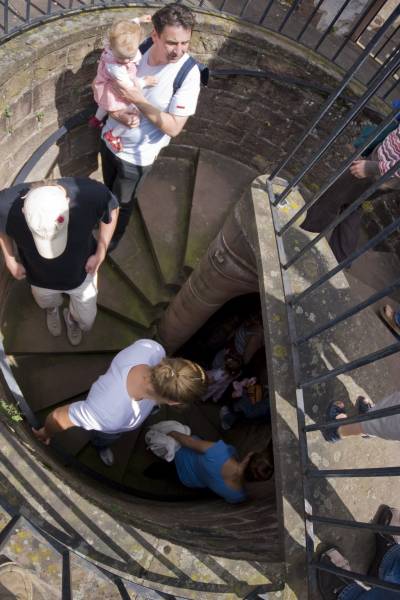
(122, 586)
(304, 382)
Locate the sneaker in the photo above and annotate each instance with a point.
(53, 321)
(74, 332)
(106, 456)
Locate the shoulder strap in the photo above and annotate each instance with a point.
(145, 45)
(185, 69)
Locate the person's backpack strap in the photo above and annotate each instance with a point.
(145, 45)
(185, 69)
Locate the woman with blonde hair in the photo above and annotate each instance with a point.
(139, 378)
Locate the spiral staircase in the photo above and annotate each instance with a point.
(182, 205)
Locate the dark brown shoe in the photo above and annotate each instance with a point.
(384, 541)
(329, 584)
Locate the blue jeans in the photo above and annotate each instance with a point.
(397, 317)
(104, 440)
(389, 570)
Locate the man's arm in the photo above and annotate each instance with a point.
(16, 269)
(106, 231)
(188, 441)
(362, 168)
(56, 421)
(169, 124)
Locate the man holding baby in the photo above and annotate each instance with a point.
(155, 111)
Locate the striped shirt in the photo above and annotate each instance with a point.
(389, 152)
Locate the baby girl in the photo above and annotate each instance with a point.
(118, 62)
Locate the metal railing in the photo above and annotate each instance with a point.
(304, 382)
(333, 39)
(123, 587)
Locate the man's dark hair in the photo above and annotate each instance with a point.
(175, 15)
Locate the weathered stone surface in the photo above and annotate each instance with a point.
(117, 295)
(165, 201)
(219, 184)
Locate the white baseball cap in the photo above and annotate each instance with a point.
(46, 211)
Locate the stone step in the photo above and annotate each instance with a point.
(49, 380)
(134, 258)
(70, 442)
(202, 418)
(25, 329)
(220, 182)
(118, 296)
(165, 203)
(122, 450)
(180, 151)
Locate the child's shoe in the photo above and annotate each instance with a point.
(95, 123)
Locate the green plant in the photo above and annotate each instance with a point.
(11, 411)
(7, 112)
(40, 116)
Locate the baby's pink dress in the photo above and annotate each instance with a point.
(102, 85)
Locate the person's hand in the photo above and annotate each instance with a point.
(41, 435)
(93, 262)
(359, 169)
(145, 19)
(131, 93)
(132, 120)
(150, 81)
(16, 269)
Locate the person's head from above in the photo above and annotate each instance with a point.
(258, 466)
(178, 381)
(233, 362)
(172, 29)
(124, 40)
(46, 211)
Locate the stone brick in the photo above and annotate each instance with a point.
(44, 93)
(83, 166)
(83, 140)
(238, 53)
(78, 52)
(20, 110)
(233, 101)
(50, 63)
(16, 85)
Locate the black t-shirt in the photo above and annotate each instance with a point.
(90, 203)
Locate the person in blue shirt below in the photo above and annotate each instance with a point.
(215, 465)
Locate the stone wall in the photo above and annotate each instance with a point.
(45, 77)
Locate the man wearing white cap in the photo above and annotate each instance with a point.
(52, 224)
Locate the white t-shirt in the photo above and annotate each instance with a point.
(142, 144)
(108, 407)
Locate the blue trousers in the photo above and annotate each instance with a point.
(104, 440)
(389, 570)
